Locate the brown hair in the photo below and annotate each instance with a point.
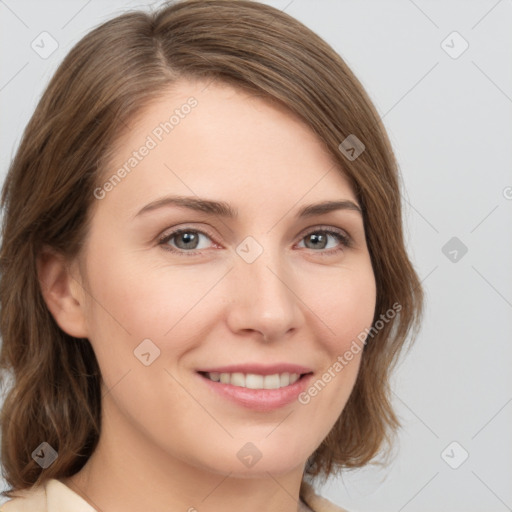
(106, 80)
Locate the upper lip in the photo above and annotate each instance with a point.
(259, 369)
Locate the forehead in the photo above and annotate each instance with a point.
(217, 140)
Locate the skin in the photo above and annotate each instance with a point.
(167, 441)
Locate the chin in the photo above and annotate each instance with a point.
(275, 463)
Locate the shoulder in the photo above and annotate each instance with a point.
(34, 499)
(52, 496)
(316, 502)
(27, 500)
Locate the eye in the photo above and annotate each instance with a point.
(318, 239)
(187, 241)
(184, 240)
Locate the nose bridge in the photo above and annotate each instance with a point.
(263, 295)
(263, 268)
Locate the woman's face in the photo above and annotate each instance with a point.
(264, 287)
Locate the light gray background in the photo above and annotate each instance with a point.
(450, 123)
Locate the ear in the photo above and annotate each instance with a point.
(63, 292)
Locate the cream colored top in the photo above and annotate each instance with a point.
(54, 496)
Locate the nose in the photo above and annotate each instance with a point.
(262, 297)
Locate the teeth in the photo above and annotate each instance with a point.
(286, 379)
(251, 381)
(237, 379)
(254, 381)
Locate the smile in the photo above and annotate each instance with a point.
(253, 380)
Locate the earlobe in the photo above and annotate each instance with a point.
(62, 292)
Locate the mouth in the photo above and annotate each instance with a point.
(255, 380)
(261, 387)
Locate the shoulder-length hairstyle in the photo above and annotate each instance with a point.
(103, 83)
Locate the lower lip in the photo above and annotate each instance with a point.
(260, 399)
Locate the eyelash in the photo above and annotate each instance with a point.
(344, 239)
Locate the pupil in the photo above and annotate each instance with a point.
(317, 238)
(188, 238)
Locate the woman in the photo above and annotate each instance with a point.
(204, 284)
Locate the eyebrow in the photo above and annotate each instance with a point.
(224, 209)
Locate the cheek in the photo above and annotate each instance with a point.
(142, 297)
(344, 302)
(344, 312)
(132, 301)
